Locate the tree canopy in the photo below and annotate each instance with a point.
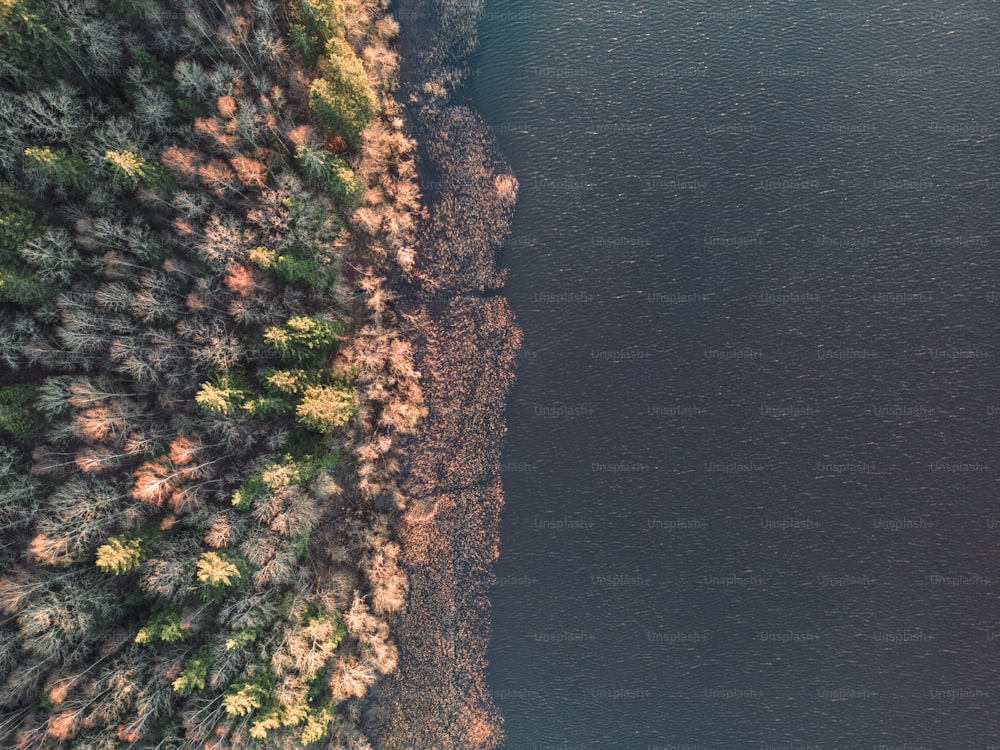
(180, 371)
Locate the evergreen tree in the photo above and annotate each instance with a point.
(303, 338)
(119, 555)
(59, 165)
(128, 169)
(325, 408)
(18, 414)
(331, 173)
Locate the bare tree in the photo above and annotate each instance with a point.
(57, 113)
(52, 256)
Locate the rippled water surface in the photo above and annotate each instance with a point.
(753, 451)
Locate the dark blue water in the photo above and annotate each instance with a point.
(753, 451)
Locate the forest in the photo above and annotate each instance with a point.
(204, 207)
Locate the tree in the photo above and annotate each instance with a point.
(244, 698)
(342, 100)
(59, 165)
(303, 338)
(18, 414)
(76, 517)
(120, 555)
(168, 269)
(304, 43)
(183, 162)
(217, 572)
(194, 673)
(192, 79)
(219, 398)
(168, 575)
(68, 614)
(298, 265)
(53, 394)
(224, 240)
(52, 256)
(84, 392)
(324, 408)
(154, 107)
(152, 304)
(330, 172)
(129, 169)
(114, 297)
(18, 224)
(251, 172)
(31, 53)
(20, 334)
(290, 382)
(166, 626)
(313, 643)
(351, 678)
(243, 280)
(98, 458)
(21, 287)
(108, 421)
(170, 476)
(58, 113)
(218, 177)
(19, 491)
(268, 407)
(321, 19)
(155, 481)
(83, 331)
(341, 108)
(317, 724)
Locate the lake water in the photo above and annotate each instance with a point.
(754, 445)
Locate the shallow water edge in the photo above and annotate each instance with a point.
(465, 341)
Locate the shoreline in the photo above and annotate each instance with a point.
(449, 531)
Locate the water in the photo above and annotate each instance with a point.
(752, 461)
